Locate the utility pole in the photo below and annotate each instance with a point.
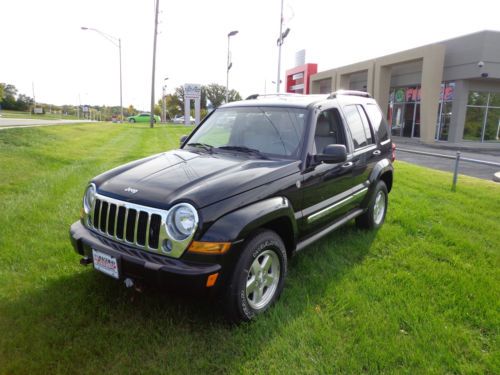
(151, 116)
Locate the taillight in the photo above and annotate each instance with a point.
(393, 154)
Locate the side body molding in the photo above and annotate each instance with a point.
(238, 224)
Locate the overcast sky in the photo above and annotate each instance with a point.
(41, 41)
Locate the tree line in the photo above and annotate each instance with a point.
(212, 96)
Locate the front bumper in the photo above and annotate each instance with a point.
(143, 266)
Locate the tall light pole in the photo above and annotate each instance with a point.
(117, 42)
(279, 42)
(164, 102)
(152, 114)
(229, 63)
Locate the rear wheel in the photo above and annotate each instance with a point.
(374, 216)
(258, 277)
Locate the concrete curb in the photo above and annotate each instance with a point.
(496, 177)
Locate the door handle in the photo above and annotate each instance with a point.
(376, 152)
(347, 165)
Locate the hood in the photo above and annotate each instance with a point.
(201, 179)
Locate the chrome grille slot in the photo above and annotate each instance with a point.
(154, 230)
(129, 233)
(103, 221)
(112, 219)
(141, 227)
(120, 222)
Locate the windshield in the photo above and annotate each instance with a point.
(272, 131)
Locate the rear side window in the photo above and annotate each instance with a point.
(360, 137)
(378, 122)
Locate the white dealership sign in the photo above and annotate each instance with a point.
(192, 91)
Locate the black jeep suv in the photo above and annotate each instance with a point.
(257, 181)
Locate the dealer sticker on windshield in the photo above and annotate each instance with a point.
(105, 263)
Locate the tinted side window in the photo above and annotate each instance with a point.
(366, 125)
(356, 126)
(378, 122)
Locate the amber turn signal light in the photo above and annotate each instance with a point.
(212, 279)
(209, 247)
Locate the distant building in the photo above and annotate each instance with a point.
(446, 91)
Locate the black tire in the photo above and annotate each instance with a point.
(239, 305)
(372, 218)
(131, 120)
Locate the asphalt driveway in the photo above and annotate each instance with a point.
(470, 169)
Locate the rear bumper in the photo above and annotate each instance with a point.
(141, 265)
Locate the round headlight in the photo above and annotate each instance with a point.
(181, 221)
(88, 198)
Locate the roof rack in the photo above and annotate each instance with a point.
(363, 94)
(285, 94)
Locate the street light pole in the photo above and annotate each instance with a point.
(117, 42)
(280, 43)
(151, 115)
(229, 63)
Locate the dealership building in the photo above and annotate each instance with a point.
(448, 91)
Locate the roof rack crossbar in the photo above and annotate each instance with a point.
(363, 94)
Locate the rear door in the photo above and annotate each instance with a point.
(365, 151)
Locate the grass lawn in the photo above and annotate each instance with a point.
(422, 295)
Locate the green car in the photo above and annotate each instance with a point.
(142, 117)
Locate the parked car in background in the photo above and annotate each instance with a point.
(142, 117)
(178, 119)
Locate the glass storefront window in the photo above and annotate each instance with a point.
(474, 120)
(492, 129)
(482, 120)
(478, 98)
(494, 99)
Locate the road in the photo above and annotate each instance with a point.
(466, 168)
(9, 123)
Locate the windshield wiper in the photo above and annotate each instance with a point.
(204, 146)
(244, 149)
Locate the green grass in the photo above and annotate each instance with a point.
(28, 115)
(421, 295)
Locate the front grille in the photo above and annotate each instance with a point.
(127, 223)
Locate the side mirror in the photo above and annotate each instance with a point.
(182, 140)
(332, 154)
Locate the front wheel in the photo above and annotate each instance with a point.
(131, 120)
(258, 278)
(374, 216)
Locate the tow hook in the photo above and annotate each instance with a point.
(85, 261)
(130, 283)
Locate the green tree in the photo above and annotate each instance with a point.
(2, 90)
(217, 94)
(23, 102)
(9, 96)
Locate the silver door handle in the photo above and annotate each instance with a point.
(347, 165)
(376, 152)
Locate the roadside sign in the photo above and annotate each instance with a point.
(192, 91)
